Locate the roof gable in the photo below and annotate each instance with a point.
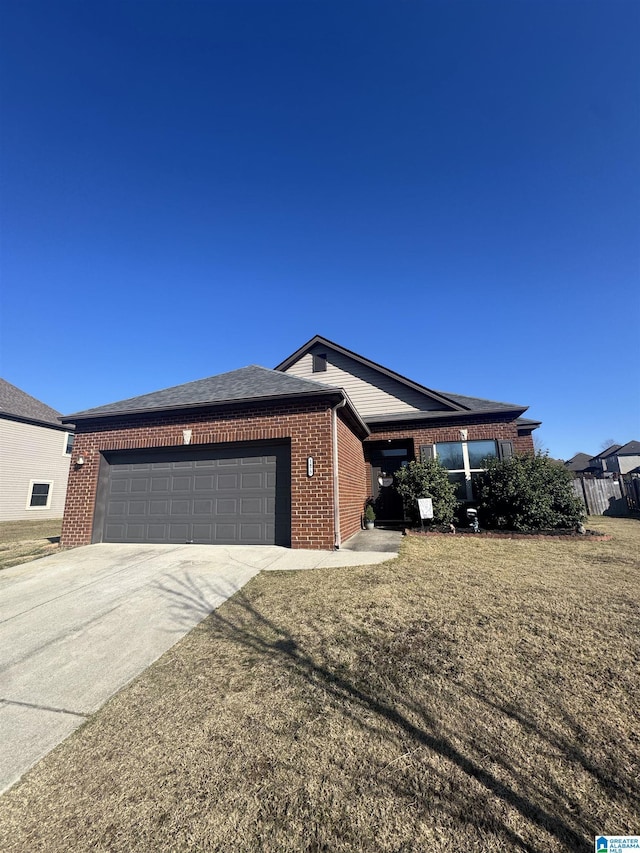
(608, 452)
(379, 393)
(18, 404)
(631, 448)
(247, 383)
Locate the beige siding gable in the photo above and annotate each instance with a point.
(28, 454)
(371, 391)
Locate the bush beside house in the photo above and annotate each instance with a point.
(427, 479)
(527, 493)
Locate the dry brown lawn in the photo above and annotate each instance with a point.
(21, 541)
(477, 695)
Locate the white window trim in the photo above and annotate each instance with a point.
(30, 494)
(467, 470)
(64, 444)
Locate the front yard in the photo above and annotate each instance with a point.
(21, 541)
(474, 694)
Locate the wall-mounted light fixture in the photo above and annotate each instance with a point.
(309, 466)
(463, 434)
(79, 461)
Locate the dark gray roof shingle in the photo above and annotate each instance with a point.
(247, 383)
(579, 462)
(630, 448)
(479, 404)
(15, 402)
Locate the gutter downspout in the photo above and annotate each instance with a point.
(336, 488)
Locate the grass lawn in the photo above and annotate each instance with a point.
(21, 541)
(475, 694)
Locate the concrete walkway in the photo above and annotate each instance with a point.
(77, 626)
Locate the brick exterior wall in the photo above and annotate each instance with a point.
(352, 480)
(424, 434)
(307, 424)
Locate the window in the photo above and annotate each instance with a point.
(39, 495)
(319, 362)
(465, 460)
(68, 444)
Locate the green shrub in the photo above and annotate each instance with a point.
(427, 480)
(369, 513)
(527, 493)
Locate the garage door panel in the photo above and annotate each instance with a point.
(226, 506)
(180, 484)
(251, 532)
(119, 487)
(117, 508)
(229, 495)
(252, 506)
(178, 532)
(251, 481)
(227, 481)
(204, 484)
(201, 507)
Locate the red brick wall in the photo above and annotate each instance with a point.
(306, 424)
(352, 480)
(451, 432)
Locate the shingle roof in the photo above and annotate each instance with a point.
(479, 404)
(578, 462)
(462, 403)
(608, 452)
(247, 383)
(15, 402)
(631, 448)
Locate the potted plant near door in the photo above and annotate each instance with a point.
(369, 517)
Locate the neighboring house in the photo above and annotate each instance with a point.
(600, 465)
(579, 464)
(286, 456)
(625, 459)
(35, 450)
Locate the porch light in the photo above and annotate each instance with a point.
(80, 461)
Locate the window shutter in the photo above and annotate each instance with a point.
(505, 449)
(427, 452)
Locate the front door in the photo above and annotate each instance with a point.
(385, 458)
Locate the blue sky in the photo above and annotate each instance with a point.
(451, 189)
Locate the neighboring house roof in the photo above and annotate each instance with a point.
(247, 384)
(579, 462)
(631, 448)
(451, 405)
(17, 404)
(608, 452)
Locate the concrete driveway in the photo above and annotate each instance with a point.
(77, 626)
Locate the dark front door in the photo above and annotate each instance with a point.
(385, 458)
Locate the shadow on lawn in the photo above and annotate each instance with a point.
(258, 634)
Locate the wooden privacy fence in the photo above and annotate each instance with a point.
(609, 497)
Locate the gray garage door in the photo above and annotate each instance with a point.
(228, 495)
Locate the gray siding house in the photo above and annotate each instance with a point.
(35, 452)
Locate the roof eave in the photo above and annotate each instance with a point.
(35, 422)
(335, 393)
(428, 416)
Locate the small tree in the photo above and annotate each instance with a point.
(527, 493)
(427, 480)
